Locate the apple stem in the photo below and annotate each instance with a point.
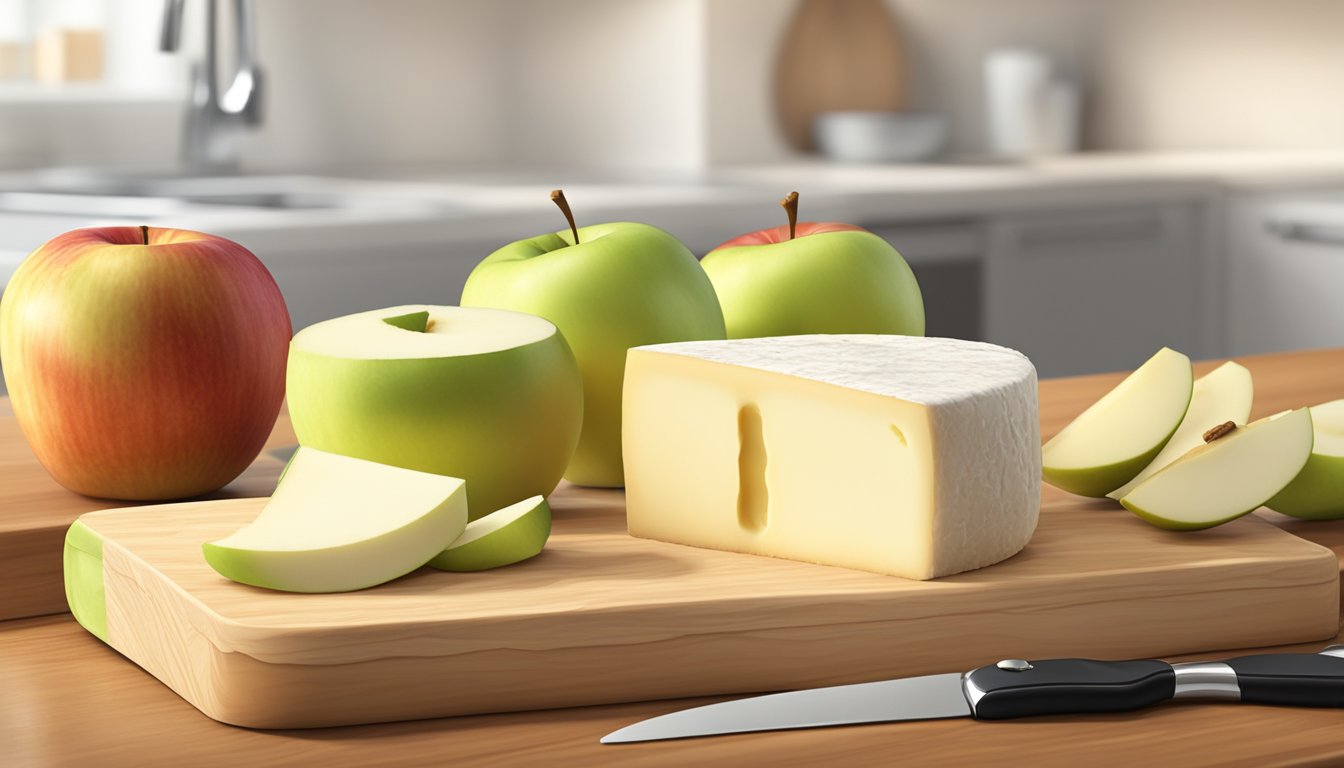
(144, 233)
(558, 197)
(790, 204)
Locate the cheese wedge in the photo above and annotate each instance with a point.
(909, 456)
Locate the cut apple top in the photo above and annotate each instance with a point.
(421, 331)
(328, 501)
(1224, 394)
(1328, 422)
(1135, 418)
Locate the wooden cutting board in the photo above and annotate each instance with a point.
(601, 617)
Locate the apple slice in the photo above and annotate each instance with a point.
(337, 524)
(503, 537)
(1317, 493)
(1227, 477)
(1120, 434)
(1221, 395)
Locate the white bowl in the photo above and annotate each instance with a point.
(880, 137)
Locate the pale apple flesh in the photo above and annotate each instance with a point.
(623, 285)
(1227, 478)
(1108, 444)
(503, 537)
(1317, 493)
(491, 396)
(337, 524)
(144, 370)
(1224, 394)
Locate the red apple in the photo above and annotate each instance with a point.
(812, 277)
(144, 363)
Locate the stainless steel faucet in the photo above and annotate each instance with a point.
(216, 122)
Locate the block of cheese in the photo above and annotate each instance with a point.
(915, 457)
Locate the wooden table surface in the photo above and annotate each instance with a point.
(67, 699)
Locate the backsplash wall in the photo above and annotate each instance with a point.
(685, 84)
(1157, 74)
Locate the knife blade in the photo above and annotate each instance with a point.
(1016, 688)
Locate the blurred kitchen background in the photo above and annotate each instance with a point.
(1083, 180)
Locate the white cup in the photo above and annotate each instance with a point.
(1015, 87)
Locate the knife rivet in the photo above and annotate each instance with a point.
(1014, 665)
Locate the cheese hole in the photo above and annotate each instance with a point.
(895, 430)
(753, 497)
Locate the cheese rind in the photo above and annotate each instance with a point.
(908, 456)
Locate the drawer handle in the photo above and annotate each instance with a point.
(1319, 234)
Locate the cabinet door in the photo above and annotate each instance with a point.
(1090, 291)
(1285, 273)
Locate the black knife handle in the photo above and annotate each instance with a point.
(1017, 688)
(1291, 679)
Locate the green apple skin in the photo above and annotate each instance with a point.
(520, 540)
(84, 592)
(1176, 525)
(1317, 493)
(507, 422)
(848, 281)
(624, 285)
(1099, 481)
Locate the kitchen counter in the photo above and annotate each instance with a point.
(1019, 242)
(70, 700)
(500, 204)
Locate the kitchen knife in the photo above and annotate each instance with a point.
(1017, 688)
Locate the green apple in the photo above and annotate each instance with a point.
(490, 396)
(1120, 434)
(1228, 477)
(1224, 394)
(503, 537)
(608, 287)
(1317, 493)
(338, 524)
(813, 277)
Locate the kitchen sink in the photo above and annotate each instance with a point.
(88, 194)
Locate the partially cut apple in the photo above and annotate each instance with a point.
(1228, 477)
(503, 537)
(1221, 395)
(1120, 434)
(487, 395)
(1317, 493)
(337, 524)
